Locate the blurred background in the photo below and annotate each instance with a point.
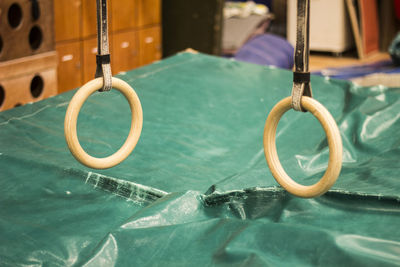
(48, 47)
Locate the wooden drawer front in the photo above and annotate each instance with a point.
(69, 66)
(89, 59)
(123, 14)
(149, 12)
(150, 45)
(125, 51)
(67, 19)
(89, 18)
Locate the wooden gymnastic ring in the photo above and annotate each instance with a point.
(334, 142)
(71, 118)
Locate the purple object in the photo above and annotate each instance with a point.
(267, 49)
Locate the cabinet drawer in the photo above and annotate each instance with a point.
(125, 51)
(69, 66)
(149, 12)
(150, 45)
(67, 19)
(89, 18)
(123, 14)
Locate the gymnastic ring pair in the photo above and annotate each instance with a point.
(271, 155)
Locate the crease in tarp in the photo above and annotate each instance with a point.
(141, 194)
(138, 193)
(275, 192)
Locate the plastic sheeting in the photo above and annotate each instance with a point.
(196, 190)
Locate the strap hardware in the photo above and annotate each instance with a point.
(301, 77)
(103, 59)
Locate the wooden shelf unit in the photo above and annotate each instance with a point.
(27, 79)
(134, 36)
(28, 61)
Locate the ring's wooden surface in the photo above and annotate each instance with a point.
(334, 142)
(71, 118)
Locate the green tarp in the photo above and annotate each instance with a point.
(196, 191)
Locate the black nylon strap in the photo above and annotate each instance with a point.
(302, 36)
(103, 59)
(301, 77)
(103, 68)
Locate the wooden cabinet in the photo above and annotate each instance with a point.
(67, 19)
(134, 37)
(28, 60)
(123, 14)
(89, 18)
(27, 79)
(29, 88)
(149, 12)
(89, 59)
(125, 54)
(150, 45)
(21, 35)
(69, 66)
